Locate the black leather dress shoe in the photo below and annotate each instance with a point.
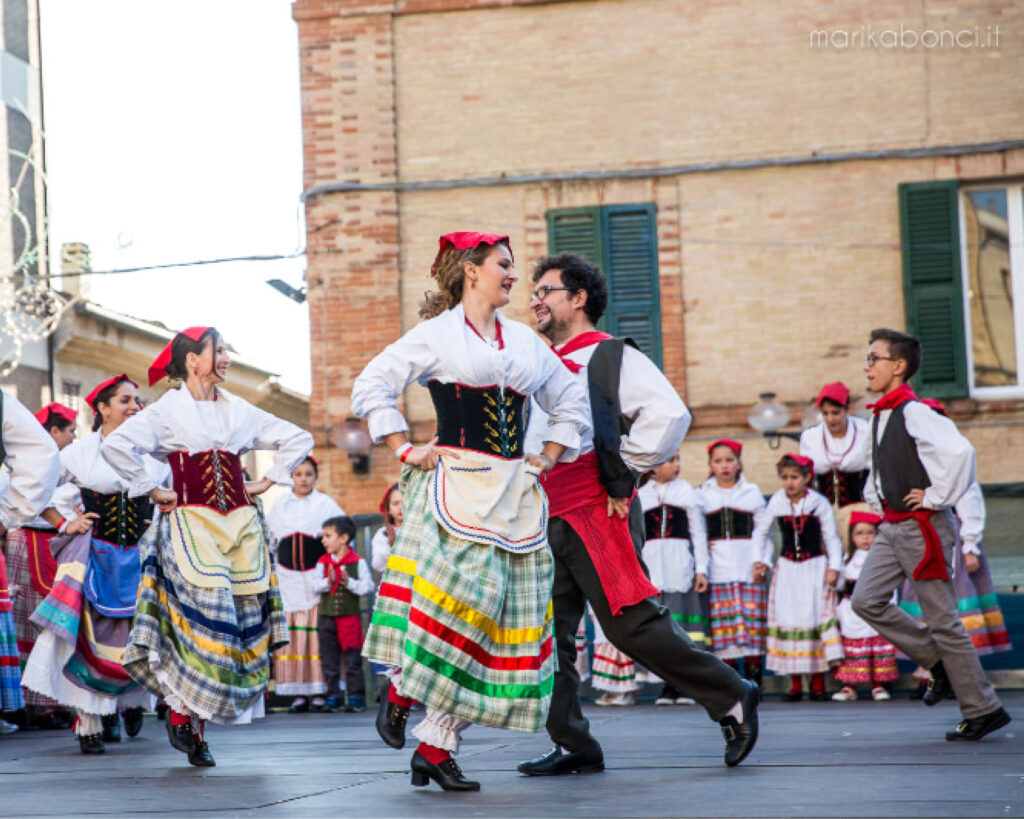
(555, 763)
(111, 728)
(201, 756)
(939, 686)
(181, 737)
(976, 727)
(91, 743)
(391, 721)
(133, 721)
(740, 737)
(448, 774)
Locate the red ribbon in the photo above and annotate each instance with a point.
(586, 339)
(893, 399)
(933, 564)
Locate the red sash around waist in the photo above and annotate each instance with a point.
(576, 495)
(213, 479)
(933, 564)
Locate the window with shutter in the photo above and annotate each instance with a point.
(622, 241)
(932, 286)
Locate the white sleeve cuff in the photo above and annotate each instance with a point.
(279, 475)
(971, 549)
(566, 435)
(384, 422)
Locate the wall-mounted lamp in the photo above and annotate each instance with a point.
(353, 440)
(768, 417)
(285, 289)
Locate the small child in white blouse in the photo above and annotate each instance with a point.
(384, 538)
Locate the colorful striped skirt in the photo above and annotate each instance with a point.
(297, 671)
(10, 666)
(469, 625)
(30, 567)
(976, 602)
(205, 650)
(77, 658)
(738, 612)
(612, 670)
(803, 630)
(867, 660)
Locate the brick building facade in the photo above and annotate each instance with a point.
(778, 174)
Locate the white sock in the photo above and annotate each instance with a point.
(736, 712)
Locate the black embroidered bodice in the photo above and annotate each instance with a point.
(122, 520)
(729, 524)
(666, 521)
(487, 419)
(299, 552)
(801, 537)
(842, 488)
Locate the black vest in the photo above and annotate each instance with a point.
(603, 374)
(481, 418)
(729, 524)
(802, 545)
(666, 521)
(122, 520)
(299, 552)
(897, 467)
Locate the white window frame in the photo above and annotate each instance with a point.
(1015, 219)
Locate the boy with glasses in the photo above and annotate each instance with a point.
(920, 467)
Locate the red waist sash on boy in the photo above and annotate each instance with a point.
(576, 495)
(933, 564)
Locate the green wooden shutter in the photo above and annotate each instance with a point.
(932, 286)
(576, 230)
(631, 264)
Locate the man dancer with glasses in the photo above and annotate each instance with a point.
(595, 527)
(920, 467)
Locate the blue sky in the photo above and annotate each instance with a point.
(173, 134)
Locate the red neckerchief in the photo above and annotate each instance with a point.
(497, 333)
(334, 566)
(586, 339)
(893, 399)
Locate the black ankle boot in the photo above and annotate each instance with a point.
(91, 743)
(448, 774)
(201, 756)
(133, 721)
(181, 737)
(111, 728)
(391, 721)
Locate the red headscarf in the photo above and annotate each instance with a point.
(858, 516)
(466, 239)
(90, 399)
(386, 499)
(803, 460)
(836, 391)
(158, 369)
(735, 446)
(66, 413)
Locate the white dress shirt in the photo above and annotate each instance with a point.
(34, 462)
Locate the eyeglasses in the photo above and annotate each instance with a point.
(871, 358)
(541, 293)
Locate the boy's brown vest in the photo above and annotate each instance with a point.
(342, 602)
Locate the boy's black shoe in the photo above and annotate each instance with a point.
(939, 686)
(976, 727)
(556, 763)
(740, 737)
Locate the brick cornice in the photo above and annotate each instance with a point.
(308, 10)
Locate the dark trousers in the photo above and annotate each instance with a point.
(334, 660)
(645, 631)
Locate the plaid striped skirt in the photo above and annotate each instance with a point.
(206, 651)
(868, 660)
(468, 624)
(10, 666)
(803, 630)
(26, 550)
(297, 671)
(738, 612)
(976, 602)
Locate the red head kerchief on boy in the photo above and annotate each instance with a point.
(836, 392)
(465, 239)
(158, 369)
(735, 446)
(859, 516)
(90, 399)
(66, 413)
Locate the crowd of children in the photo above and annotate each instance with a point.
(710, 551)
